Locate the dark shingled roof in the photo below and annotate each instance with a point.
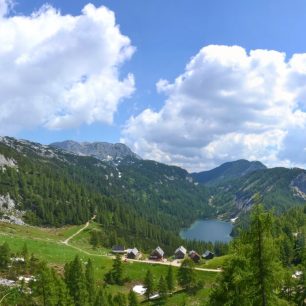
(118, 248)
(207, 253)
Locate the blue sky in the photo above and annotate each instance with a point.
(165, 36)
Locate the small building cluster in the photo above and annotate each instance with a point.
(181, 253)
(158, 254)
(130, 253)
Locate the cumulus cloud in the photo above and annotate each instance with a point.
(60, 71)
(227, 104)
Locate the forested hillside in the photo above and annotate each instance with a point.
(267, 263)
(133, 200)
(280, 188)
(227, 171)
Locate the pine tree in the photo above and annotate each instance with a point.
(170, 279)
(133, 301)
(90, 281)
(5, 255)
(118, 270)
(120, 300)
(101, 299)
(162, 288)
(45, 287)
(265, 266)
(232, 287)
(149, 284)
(301, 286)
(63, 296)
(115, 275)
(76, 282)
(253, 274)
(186, 275)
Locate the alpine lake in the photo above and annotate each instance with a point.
(208, 230)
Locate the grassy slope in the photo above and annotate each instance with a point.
(46, 245)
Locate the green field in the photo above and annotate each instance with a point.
(214, 263)
(46, 245)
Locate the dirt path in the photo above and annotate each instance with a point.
(78, 232)
(170, 263)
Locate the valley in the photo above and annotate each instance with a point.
(51, 245)
(83, 199)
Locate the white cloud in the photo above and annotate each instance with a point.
(60, 71)
(228, 104)
(5, 6)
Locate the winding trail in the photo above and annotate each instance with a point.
(78, 232)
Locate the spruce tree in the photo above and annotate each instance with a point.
(162, 288)
(133, 301)
(76, 282)
(301, 286)
(253, 275)
(45, 287)
(186, 275)
(100, 299)
(232, 287)
(265, 266)
(115, 275)
(90, 281)
(170, 279)
(5, 255)
(118, 270)
(120, 300)
(149, 284)
(63, 296)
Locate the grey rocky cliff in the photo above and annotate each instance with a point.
(9, 212)
(7, 162)
(298, 186)
(101, 150)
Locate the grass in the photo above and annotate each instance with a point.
(82, 241)
(215, 263)
(46, 245)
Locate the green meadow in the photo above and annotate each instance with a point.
(46, 244)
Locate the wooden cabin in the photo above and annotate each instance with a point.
(180, 253)
(133, 253)
(118, 249)
(157, 254)
(194, 256)
(208, 255)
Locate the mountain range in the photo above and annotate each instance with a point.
(232, 185)
(228, 171)
(67, 182)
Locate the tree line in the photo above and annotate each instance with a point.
(262, 260)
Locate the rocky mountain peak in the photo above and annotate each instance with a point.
(101, 150)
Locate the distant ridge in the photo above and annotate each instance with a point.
(228, 171)
(101, 150)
